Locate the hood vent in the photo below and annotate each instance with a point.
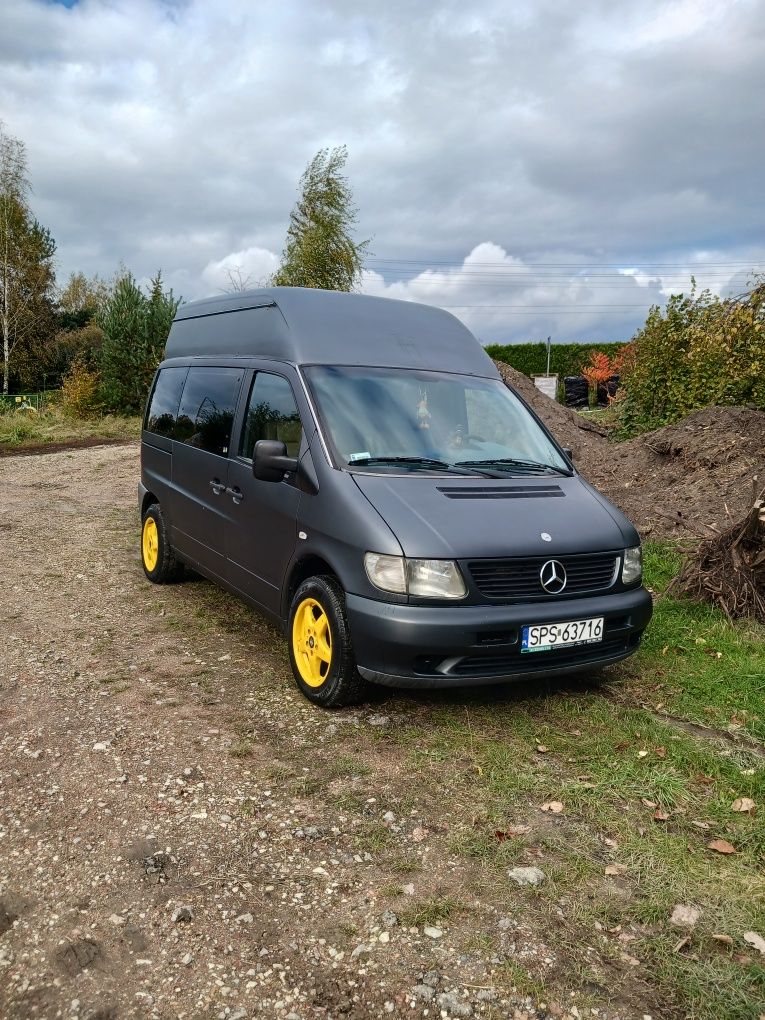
(501, 491)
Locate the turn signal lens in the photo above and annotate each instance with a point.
(632, 568)
(386, 572)
(435, 579)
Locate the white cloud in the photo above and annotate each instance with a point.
(240, 270)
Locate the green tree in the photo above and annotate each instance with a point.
(135, 328)
(26, 268)
(320, 250)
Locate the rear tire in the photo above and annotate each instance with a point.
(320, 646)
(157, 557)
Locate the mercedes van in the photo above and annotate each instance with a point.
(355, 469)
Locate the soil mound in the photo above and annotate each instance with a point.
(688, 476)
(675, 481)
(569, 428)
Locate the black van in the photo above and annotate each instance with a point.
(355, 469)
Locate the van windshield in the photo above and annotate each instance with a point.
(394, 420)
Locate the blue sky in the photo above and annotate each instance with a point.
(539, 167)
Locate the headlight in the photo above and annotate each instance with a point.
(632, 568)
(430, 579)
(435, 579)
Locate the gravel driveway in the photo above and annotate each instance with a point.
(181, 834)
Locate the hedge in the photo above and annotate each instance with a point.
(565, 359)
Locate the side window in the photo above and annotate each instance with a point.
(207, 408)
(271, 414)
(163, 406)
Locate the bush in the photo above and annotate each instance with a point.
(702, 350)
(80, 392)
(565, 359)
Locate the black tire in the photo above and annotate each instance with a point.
(340, 683)
(159, 565)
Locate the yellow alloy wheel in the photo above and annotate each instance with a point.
(150, 544)
(312, 642)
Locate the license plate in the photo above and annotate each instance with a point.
(545, 636)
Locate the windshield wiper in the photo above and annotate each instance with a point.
(426, 462)
(500, 462)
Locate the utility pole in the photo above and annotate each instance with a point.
(548, 355)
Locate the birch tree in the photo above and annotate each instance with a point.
(26, 258)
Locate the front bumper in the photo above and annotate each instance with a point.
(453, 646)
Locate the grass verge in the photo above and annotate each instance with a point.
(20, 429)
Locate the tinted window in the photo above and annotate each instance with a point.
(271, 414)
(207, 408)
(163, 406)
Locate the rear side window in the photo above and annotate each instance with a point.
(206, 414)
(271, 414)
(163, 406)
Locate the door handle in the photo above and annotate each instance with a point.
(236, 494)
(217, 486)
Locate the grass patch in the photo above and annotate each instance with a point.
(431, 911)
(698, 665)
(638, 792)
(19, 429)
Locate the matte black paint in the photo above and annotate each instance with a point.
(244, 532)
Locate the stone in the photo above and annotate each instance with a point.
(183, 914)
(187, 960)
(505, 923)
(486, 995)
(384, 936)
(102, 745)
(379, 720)
(423, 992)
(389, 919)
(245, 918)
(684, 916)
(432, 977)
(431, 932)
(117, 920)
(452, 1006)
(526, 876)
(389, 817)
(362, 948)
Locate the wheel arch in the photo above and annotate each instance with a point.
(310, 565)
(147, 501)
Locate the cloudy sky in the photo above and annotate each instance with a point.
(537, 166)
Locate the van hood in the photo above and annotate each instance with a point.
(454, 517)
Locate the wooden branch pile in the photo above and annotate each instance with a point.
(728, 570)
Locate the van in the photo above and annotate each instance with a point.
(355, 469)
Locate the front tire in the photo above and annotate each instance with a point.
(320, 647)
(157, 556)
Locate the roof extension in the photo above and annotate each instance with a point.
(306, 326)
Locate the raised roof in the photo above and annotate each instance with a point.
(305, 326)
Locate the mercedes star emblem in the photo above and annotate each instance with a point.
(553, 577)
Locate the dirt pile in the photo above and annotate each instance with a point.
(586, 439)
(676, 481)
(686, 477)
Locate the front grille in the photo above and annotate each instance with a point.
(510, 579)
(499, 665)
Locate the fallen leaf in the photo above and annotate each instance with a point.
(518, 830)
(745, 805)
(576, 733)
(755, 940)
(725, 939)
(721, 846)
(660, 752)
(615, 869)
(626, 958)
(554, 807)
(647, 803)
(418, 834)
(700, 825)
(542, 749)
(642, 754)
(684, 916)
(681, 944)
(610, 843)
(660, 816)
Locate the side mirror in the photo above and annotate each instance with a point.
(569, 452)
(270, 462)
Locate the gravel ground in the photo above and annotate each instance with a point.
(181, 834)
